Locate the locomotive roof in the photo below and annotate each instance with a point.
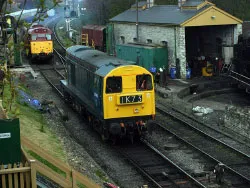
(38, 26)
(100, 60)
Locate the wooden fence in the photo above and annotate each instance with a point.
(25, 175)
(16, 176)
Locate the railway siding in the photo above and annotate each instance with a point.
(235, 159)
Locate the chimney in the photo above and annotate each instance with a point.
(181, 2)
(150, 3)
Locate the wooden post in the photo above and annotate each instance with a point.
(15, 177)
(3, 178)
(33, 173)
(10, 177)
(27, 176)
(21, 177)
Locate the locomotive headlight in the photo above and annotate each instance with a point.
(136, 110)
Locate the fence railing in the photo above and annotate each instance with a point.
(15, 176)
(24, 176)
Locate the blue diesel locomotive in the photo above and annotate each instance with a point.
(115, 96)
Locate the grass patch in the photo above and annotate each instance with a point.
(81, 185)
(35, 128)
(101, 175)
(45, 162)
(32, 123)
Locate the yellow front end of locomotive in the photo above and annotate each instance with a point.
(44, 47)
(129, 100)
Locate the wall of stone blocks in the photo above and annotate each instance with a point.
(238, 120)
(175, 36)
(155, 33)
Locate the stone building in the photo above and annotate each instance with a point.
(190, 29)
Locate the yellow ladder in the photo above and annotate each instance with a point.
(93, 44)
(85, 39)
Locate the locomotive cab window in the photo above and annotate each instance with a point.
(48, 36)
(41, 35)
(33, 37)
(144, 82)
(114, 84)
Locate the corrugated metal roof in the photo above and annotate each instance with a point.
(103, 63)
(94, 27)
(162, 14)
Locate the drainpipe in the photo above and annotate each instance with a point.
(175, 53)
(137, 25)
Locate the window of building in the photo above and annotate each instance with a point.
(164, 43)
(144, 82)
(114, 84)
(149, 41)
(122, 39)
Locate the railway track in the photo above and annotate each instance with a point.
(224, 137)
(53, 77)
(199, 144)
(164, 170)
(158, 173)
(160, 170)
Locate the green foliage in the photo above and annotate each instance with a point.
(45, 4)
(238, 8)
(118, 6)
(97, 9)
(81, 185)
(101, 175)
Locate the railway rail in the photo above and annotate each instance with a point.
(160, 170)
(234, 159)
(52, 76)
(224, 136)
